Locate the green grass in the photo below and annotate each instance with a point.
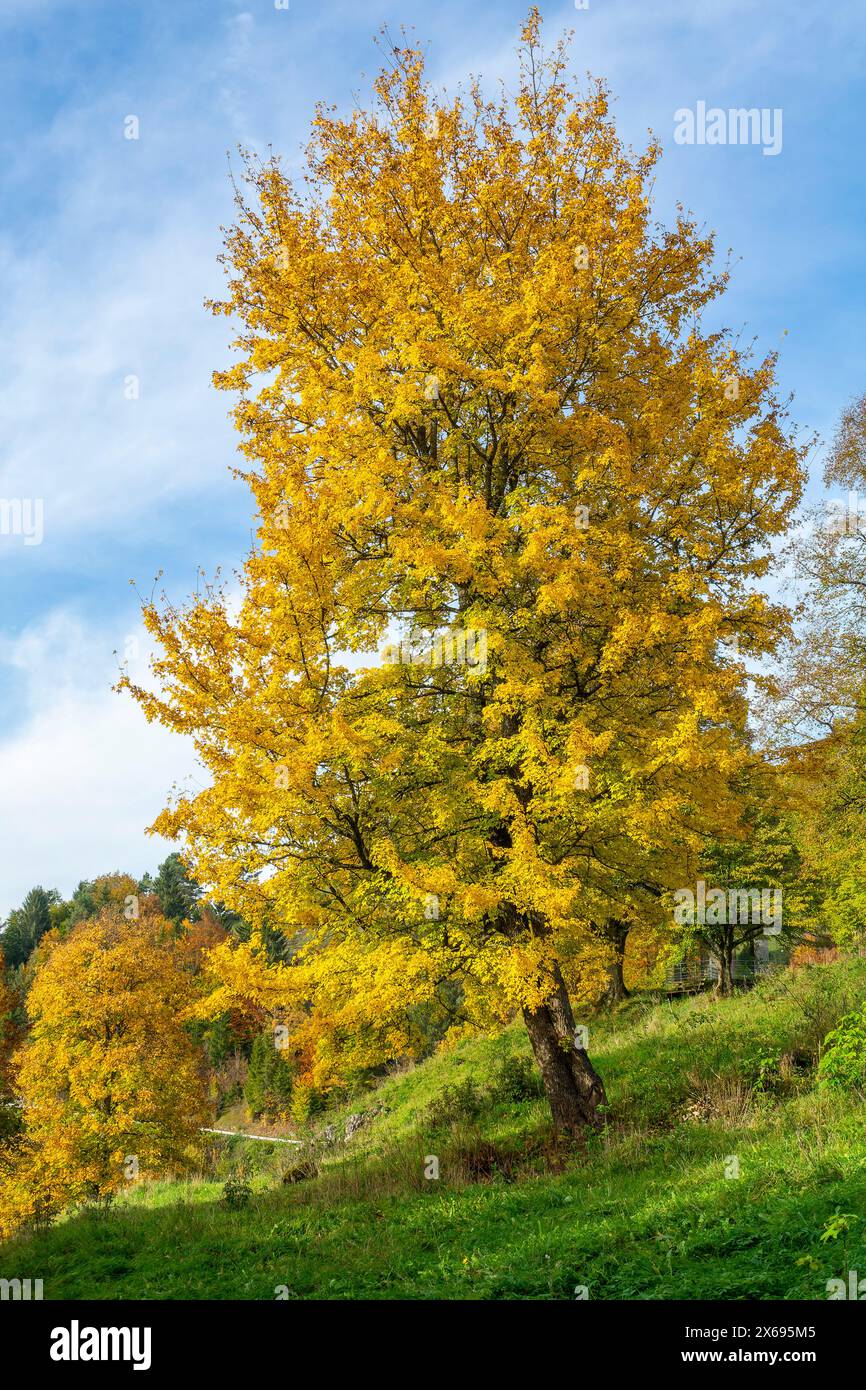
(645, 1211)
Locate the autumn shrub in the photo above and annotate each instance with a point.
(306, 1102)
(813, 955)
(110, 1082)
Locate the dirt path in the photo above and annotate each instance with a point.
(264, 1138)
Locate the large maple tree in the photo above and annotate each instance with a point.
(483, 422)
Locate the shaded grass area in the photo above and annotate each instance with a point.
(648, 1210)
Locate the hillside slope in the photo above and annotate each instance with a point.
(724, 1173)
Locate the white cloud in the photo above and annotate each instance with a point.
(108, 278)
(85, 774)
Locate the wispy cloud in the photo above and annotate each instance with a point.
(84, 774)
(108, 248)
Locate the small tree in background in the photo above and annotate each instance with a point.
(268, 1087)
(27, 925)
(109, 1079)
(115, 893)
(10, 1032)
(176, 890)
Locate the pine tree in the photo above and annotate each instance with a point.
(177, 892)
(27, 925)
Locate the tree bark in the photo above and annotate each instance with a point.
(573, 1087)
(616, 934)
(726, 971)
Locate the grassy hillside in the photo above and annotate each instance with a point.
(697, 1088)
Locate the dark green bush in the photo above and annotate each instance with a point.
(236, 1192)
(763, 1073)
(455, 1103)
(843, 1063)
(516, 1079)
(268, 1088)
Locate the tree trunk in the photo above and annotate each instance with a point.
(616, 990)
(616, 934)
(726, 971)
(574, 1089)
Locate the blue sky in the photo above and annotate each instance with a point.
(108, 249)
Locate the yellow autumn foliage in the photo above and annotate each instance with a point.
(480, 416)
(110, 1083)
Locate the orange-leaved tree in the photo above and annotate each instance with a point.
(488, 438)
(9, 1037)
(110, 1082)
